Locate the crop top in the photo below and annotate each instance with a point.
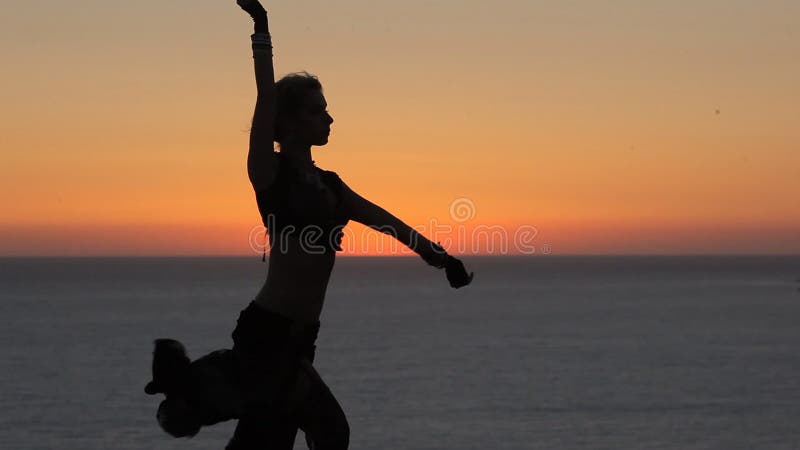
(292, 207)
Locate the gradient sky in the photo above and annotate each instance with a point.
(609, 126)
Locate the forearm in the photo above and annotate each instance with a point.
(262, 64)
(262, 132)
(263, 127)
(364, 211)
(383, 221)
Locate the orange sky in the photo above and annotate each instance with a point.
(617, 128)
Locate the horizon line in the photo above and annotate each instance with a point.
(540, 255)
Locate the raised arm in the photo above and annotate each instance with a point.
(365, 212)
(261, 160)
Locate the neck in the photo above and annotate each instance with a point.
(298, 154)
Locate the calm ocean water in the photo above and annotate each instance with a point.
(545, 352)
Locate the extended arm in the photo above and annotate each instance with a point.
(261, 160)
(364, 211)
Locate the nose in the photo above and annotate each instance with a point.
(330, 118)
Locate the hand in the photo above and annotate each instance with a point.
(252, 7)
(457, 273)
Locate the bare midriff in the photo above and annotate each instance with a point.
(296, 282)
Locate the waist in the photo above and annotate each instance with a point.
(280, 322)
(302, 308)
(265, 335)
(296, 284)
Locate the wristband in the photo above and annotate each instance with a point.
(261, 39)
(261, 42)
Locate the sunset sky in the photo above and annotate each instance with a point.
(609, 127)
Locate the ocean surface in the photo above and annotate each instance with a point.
(542, 352)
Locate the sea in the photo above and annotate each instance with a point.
(540, 352)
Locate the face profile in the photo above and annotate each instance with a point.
(302, 119)
(312, 124)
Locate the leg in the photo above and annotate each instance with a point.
(265, 423)
(264, 432)
(318, 413)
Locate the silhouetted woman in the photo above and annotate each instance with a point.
(304, 209)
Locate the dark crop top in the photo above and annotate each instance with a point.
(291, 207)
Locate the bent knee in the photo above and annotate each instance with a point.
(328, 429)
(337, 438)
(342, 436)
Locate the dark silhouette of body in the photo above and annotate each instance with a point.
(267, 380)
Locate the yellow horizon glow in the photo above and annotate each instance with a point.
(625, 128)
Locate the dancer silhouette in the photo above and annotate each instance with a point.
(267, 380)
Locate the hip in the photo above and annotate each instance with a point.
(268, 352)
(263, 332)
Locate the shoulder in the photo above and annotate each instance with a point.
(332, 179)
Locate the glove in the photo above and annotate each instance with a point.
(456, 273)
